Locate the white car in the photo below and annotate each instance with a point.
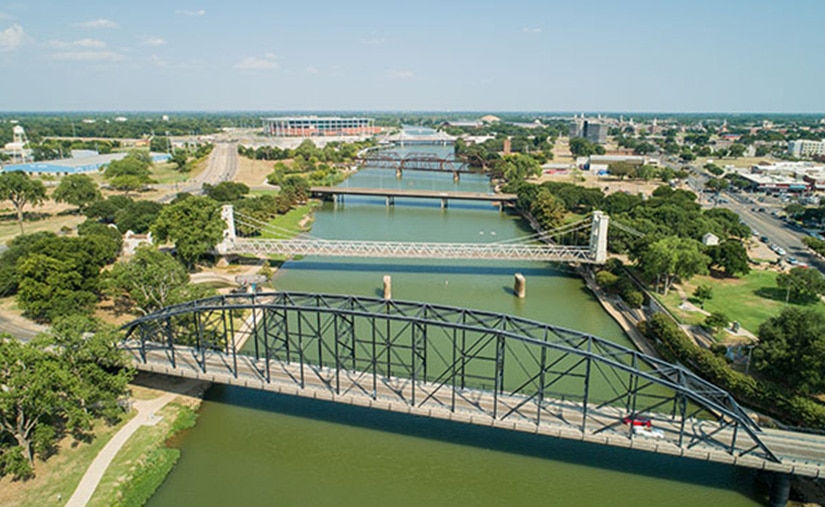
(648, 432)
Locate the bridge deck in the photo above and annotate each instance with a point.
(421, 194)
(802, 454)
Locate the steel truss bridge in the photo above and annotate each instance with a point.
(594, 229)
(462, 365)
(414, 161)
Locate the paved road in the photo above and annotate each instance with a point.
(222, 166)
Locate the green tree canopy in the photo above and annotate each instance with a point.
(21, 190)
(673, 257)
(791, 349)
(801, 284)
(77, 189)
(193, 224)
(731, 256)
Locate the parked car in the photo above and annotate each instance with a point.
(637, 421)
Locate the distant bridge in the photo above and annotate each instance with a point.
(337, 193)
(414, 161)
(594, 252)
(463, 365)
(404, 137)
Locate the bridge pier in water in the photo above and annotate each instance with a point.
(780, 489)
(520, 286)
(387, 287)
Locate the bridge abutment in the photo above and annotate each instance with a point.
(387, 287)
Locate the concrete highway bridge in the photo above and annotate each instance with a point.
(467, 366)
(389, 194)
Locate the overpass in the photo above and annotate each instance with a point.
(467, 366)
(389, 194)
(549, 248)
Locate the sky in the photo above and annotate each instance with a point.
(413, 55)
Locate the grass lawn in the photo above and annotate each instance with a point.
(60, 474)
(750, 300)
(145, 439)
(291, 221)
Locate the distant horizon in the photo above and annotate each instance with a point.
(408, 111)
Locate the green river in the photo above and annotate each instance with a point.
(255, 448)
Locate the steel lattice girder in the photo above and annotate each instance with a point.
(504, 330)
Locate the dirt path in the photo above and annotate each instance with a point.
(147, 410)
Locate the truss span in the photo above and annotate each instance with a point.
(455, 363)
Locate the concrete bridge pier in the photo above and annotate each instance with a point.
(390, 200)
(520, 286)
(443, 203)
(456, 176)
(780, 489)
(387, 287)
(398, 173)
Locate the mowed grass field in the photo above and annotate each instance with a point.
(749, 300)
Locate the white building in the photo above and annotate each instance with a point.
(804, 148)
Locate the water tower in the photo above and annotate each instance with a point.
(17, 147)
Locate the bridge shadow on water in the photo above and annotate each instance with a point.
(351, 200)
(534, 446)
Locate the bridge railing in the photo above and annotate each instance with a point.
(503, 367)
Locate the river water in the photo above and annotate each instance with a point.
(255, 448)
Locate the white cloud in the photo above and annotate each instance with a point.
(152, 41)
(3, 15)
(98, 23)
(400, 74)
(11, 38)
(158, 61)
(268, 62)
(312, 70)
(80, 43)
(527, 29)
(374, 41)
(89, 56)
(191, 14)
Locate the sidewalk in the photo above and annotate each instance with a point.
(147, 410)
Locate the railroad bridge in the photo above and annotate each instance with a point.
(414, 161)
(467, 366)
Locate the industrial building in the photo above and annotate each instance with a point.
(592, 130)
(804, 148)
(83, 162)
(319, 126)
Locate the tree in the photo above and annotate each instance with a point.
(193, 224)
(736, 150)
(148, 281)
(581, 147)
(226, 191)
(57, 382)
(791, 349)
(717, 321)
(18, 188)
(137, 216)
(703, 293)
(547, 209)
(717, 184)
(179, 158)
(130, 173)
(801, 284)
(672, 257)
(49, 288)
(732, 256)
(32, 383)
(621, 169)
(78, 190)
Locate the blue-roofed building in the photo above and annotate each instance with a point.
(82, 164)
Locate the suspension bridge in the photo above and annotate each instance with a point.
(467, 366)
(546, 246)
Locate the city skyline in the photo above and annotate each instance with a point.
(735, 57)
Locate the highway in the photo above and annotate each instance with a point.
(222, 166)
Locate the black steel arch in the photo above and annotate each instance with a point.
(203, 327)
